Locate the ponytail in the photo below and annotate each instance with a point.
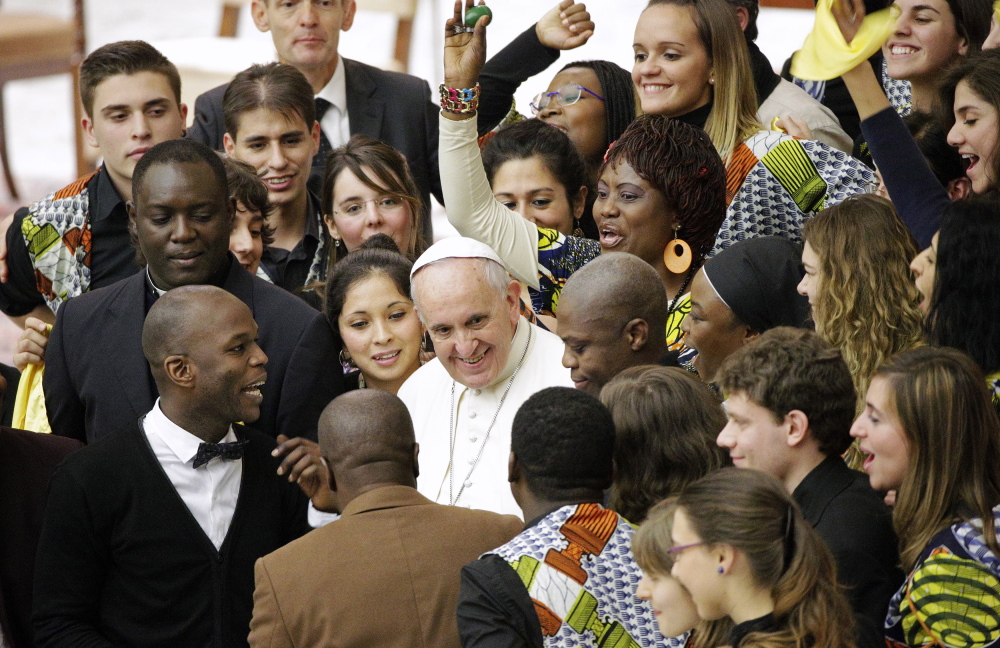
(751, 512)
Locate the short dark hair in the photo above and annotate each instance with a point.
(753, 8)
(564, 441)
(789, 369)
(124, 57)
(377, 255)
(247, 187)
(274, 86)
(179, 151)
(932, 140)
(533, 137)
(680, 161)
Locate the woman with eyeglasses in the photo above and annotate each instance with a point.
(930, 433)
(661, 181)
(692, 65)
(368, 190)
(742, 550)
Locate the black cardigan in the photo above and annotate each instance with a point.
(123, 562)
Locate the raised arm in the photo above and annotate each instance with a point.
(916, 193)
(472, 209)
(564, 27)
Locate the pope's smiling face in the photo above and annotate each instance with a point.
(471, 323)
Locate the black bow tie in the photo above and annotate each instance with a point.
(225, 451)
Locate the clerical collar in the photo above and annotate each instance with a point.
(152, 284)
(514, 355)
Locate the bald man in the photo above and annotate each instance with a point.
(612, 316)
(151, 534)
(387, 573)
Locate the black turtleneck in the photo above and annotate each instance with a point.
(765, 79)
(741, 630)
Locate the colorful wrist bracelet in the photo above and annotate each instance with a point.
(461, 101)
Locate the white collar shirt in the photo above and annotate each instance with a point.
(427, 395)
(210, 492)
(335, 123)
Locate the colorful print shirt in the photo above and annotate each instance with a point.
(952, 596)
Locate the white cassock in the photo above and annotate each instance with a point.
(427, 394)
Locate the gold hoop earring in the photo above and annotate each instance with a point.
(677, 256)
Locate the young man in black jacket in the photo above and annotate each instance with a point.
(151, 534)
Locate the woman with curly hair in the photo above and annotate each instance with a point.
(666, 422)
(692, 65)
(662, 183)
(857, 278)
(743, 551)
(931, 434)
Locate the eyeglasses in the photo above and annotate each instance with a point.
(565, 96)
(676, 551)
(386, 204)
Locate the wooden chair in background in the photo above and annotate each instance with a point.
(35, 45)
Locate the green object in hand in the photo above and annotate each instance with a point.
(473, 15)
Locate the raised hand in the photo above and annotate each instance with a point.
(31, 344)
(565, 26)
(464, 52)
(848, 14)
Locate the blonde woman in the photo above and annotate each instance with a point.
(692, 64)
(857, 278)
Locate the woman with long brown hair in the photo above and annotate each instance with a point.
(931, 433)
(743, 551)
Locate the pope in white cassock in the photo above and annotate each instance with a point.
(489, 361)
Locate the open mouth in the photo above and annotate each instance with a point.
(610, 238)
(472, 361)
(970, 160)
(387, 358)
(654, 88)
(902, 50)
(253, 390)
(279, 183)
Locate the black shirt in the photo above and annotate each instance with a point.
(856, 525)
(741, 630)
(112, 254)
(290, 269)
(494, 608)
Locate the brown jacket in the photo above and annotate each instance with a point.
(385, 575)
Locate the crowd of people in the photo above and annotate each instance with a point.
(714, 360)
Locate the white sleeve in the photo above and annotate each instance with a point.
(473, 210)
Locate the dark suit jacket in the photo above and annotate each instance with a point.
(27, 461)
(386, 574)
(857, 527)
(97, 379)
(122, 562)
(393, 107)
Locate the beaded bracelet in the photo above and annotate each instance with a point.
(461, 101)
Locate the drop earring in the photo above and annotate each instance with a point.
(677, 256)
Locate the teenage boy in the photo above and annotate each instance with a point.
(271, 125)
(790, 402)
(77, 239)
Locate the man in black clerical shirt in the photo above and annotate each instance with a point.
(96, 379)
(790, 404)
(150, 536)
(77, 238)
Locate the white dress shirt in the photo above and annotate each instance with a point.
(211, 491)
(335, 123)
(427, 395)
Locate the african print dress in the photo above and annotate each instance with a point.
(775, 182)
(952, 596)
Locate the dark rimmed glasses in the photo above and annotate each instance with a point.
(567, 95)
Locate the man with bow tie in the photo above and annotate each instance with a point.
(151, 534)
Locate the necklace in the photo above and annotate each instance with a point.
(677, 298)
(453, 430)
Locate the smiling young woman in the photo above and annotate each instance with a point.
(691, 64)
